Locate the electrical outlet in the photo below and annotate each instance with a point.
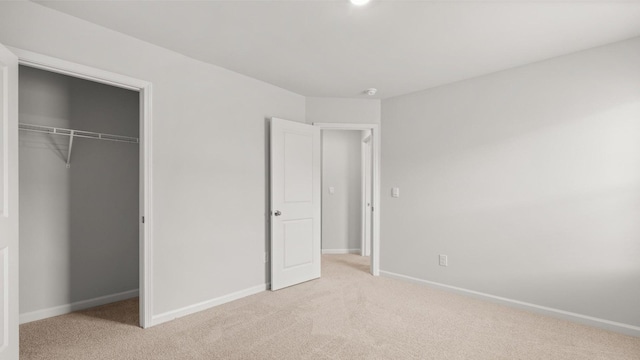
(443, 260)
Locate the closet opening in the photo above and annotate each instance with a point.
(84, 180)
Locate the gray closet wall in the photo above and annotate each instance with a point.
(78, 226)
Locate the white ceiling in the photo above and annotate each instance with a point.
(335, 49)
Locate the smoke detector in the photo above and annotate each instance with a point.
(371, 91)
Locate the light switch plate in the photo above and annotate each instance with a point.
(395, 192)
(332, 190)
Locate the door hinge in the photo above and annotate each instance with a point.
(143, 219)
(372, 209)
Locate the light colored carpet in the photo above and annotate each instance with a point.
(347, 314)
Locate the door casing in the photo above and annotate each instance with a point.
(365, 183)
(9, 213)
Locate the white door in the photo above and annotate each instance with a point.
(295, 203)
(8, 204)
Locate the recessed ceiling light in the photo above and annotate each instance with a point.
(359, 2)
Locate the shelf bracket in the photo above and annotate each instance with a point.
(70, 146)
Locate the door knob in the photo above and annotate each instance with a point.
(277, 213)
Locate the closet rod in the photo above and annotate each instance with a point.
(75, 133)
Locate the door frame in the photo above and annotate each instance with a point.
(366, 181)
(375, 203)
(144, 88)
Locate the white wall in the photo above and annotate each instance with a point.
(528, 179)
(339, 110)
(209, 148)
(78, 226)
(342, 210)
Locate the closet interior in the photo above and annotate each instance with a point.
(79, 193)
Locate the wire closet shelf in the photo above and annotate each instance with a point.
(76, 133)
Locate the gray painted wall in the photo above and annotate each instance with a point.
(338, 110)
(528, 179)
(209, 145)
(342, 210)
(78, 226)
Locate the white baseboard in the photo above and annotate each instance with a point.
(76, 306)
(340, 251)
(191, 309)
(566, 315)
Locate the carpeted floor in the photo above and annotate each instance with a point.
(347, 314)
